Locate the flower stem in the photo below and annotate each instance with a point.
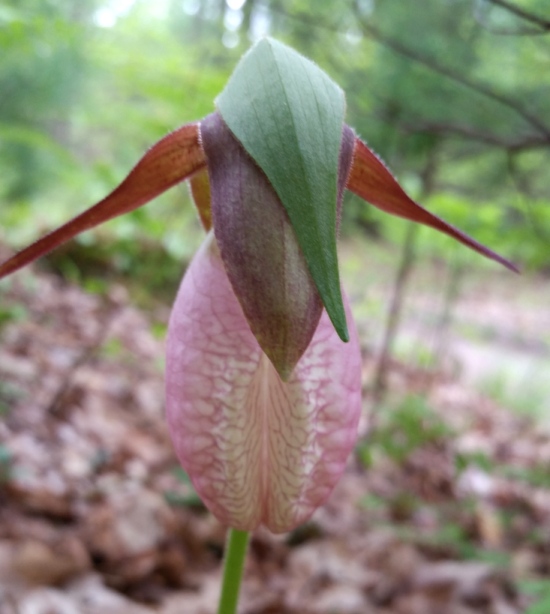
(235, 554)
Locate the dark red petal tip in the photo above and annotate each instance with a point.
(371, 180)
(174, 158)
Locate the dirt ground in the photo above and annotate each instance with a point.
(444, 508)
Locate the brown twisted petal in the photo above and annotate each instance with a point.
(174, 158)
(371, 180)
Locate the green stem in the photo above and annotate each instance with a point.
(235, 554)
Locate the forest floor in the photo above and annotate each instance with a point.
(444, 508)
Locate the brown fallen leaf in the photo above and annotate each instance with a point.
(50, 564)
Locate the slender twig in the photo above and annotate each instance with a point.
(483, 18)
(532, 141)
(427, 61)
(442, 329)
(399, 291)
(394, 312)
(416, 124)
(434, 65)
(540, 22)
(522, 186)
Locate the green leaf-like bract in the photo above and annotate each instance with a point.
(288, 115)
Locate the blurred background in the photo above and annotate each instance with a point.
(453, 463)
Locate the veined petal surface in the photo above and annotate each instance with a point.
(258, 450)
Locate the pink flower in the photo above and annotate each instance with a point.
(263, 397)
(258, 449)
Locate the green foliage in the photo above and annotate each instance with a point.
(522, 230)
(187, 496)
(450, 533)
(402, 429)
(149, 270)
(5, 464)
(476, 459)
(539, 590)
(525, 393)
(9, 394)
(537, 475)
(12, 313)
(42, 72)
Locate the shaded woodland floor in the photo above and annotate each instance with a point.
(444, 509)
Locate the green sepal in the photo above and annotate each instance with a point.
(288, 115)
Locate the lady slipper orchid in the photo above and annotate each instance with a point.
(263, 372)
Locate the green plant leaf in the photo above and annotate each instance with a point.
(289, 115)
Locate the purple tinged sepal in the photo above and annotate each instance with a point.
(259, 248)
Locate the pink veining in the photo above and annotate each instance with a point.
(258, 450)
